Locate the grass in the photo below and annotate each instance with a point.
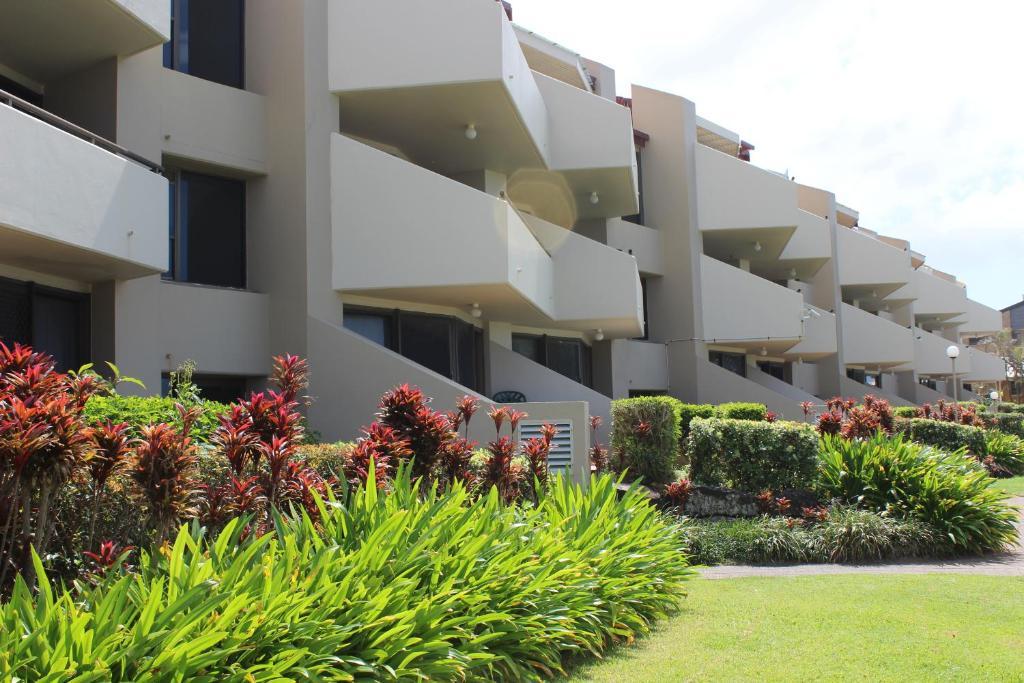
(853, 627)
(1013, 486)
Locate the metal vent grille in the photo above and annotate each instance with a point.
(560, 457)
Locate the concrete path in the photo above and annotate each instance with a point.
(1003, 564)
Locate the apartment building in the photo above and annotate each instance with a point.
(428, 193)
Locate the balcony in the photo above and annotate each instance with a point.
(869, 269)
(195, 320)
(75, 205)
(981, 319)
(402, 232)
(874, 342)
(77, 34)
(743, 211)
(819, 335)
(940, 298)
(930, 355)
(450, 64)
(591, 148)
(641, 242)
(417, 75)
(747, 311)
(208, 123)
(985, 367)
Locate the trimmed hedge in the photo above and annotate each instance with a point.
(139, 411)
(752, 456)
(1008, 423)
(742, 411)
(946, 436)
(649, 454)
(690, 412)
(905, 411)
(1010, 408)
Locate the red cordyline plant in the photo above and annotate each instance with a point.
(427, 431)
(43, 440)
(165, 469)
(501, 471)
(844, 417)
(598, 453)
(106, 558)
(951, 412)
(113, 446)
(537, 452)
(677, 493)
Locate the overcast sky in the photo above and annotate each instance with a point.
(911, 112)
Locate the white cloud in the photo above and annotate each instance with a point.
(909, 112)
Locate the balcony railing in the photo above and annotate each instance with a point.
(79, 132)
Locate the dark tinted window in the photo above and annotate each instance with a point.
(52, 320)
(374, 326)
(208, 40)
(221, 388)
(426, 340)
(733, 362)
(469, 355)
(776, 370)
(566, 358)
(530, 346)
(208, 241)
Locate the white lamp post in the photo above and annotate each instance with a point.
(994, 396)
(953, 352)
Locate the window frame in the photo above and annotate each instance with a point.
(172, 52)
(585, 354)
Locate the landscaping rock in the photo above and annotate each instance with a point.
(711, 501)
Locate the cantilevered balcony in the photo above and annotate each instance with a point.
(448, 85)
(984, 367)
(980, 319)
(747, 311)
(42, 41)
(742, 207)
(870, 270)
(403, 232)
(818, 337)
(940, 298)
(873, 341)
(930, 356)
(643, 243)
(75, 205)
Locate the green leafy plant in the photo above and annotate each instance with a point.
(945, 435)
(947, 491)
(742, 411)
(138, 411)
(1007, 451)
(408, 585)
(645, 437)
(752, 456)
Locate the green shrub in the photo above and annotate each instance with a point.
(645, 437)
(853, 535)
(1008, 423)
(742, 411)
(947, 491)
(1007, 450)
(947, 436)
(690, 411)
(905, 411)
(409, 585)
(139, 411)
(1010, 407)
(752, 456)
(845, 535)
(326, 458)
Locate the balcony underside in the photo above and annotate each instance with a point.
(874, 296)
(736, 243)
(436, 136)
(76, 33)
(44, 255)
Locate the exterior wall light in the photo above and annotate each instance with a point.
(595, 198)
(758, 247)
(599, 335)
(476, 312)
(764, 350)
(471, 132)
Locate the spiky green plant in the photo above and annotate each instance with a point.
(409, 585)
(948, 491)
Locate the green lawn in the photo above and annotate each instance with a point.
(851, 627)
(1014, 486)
